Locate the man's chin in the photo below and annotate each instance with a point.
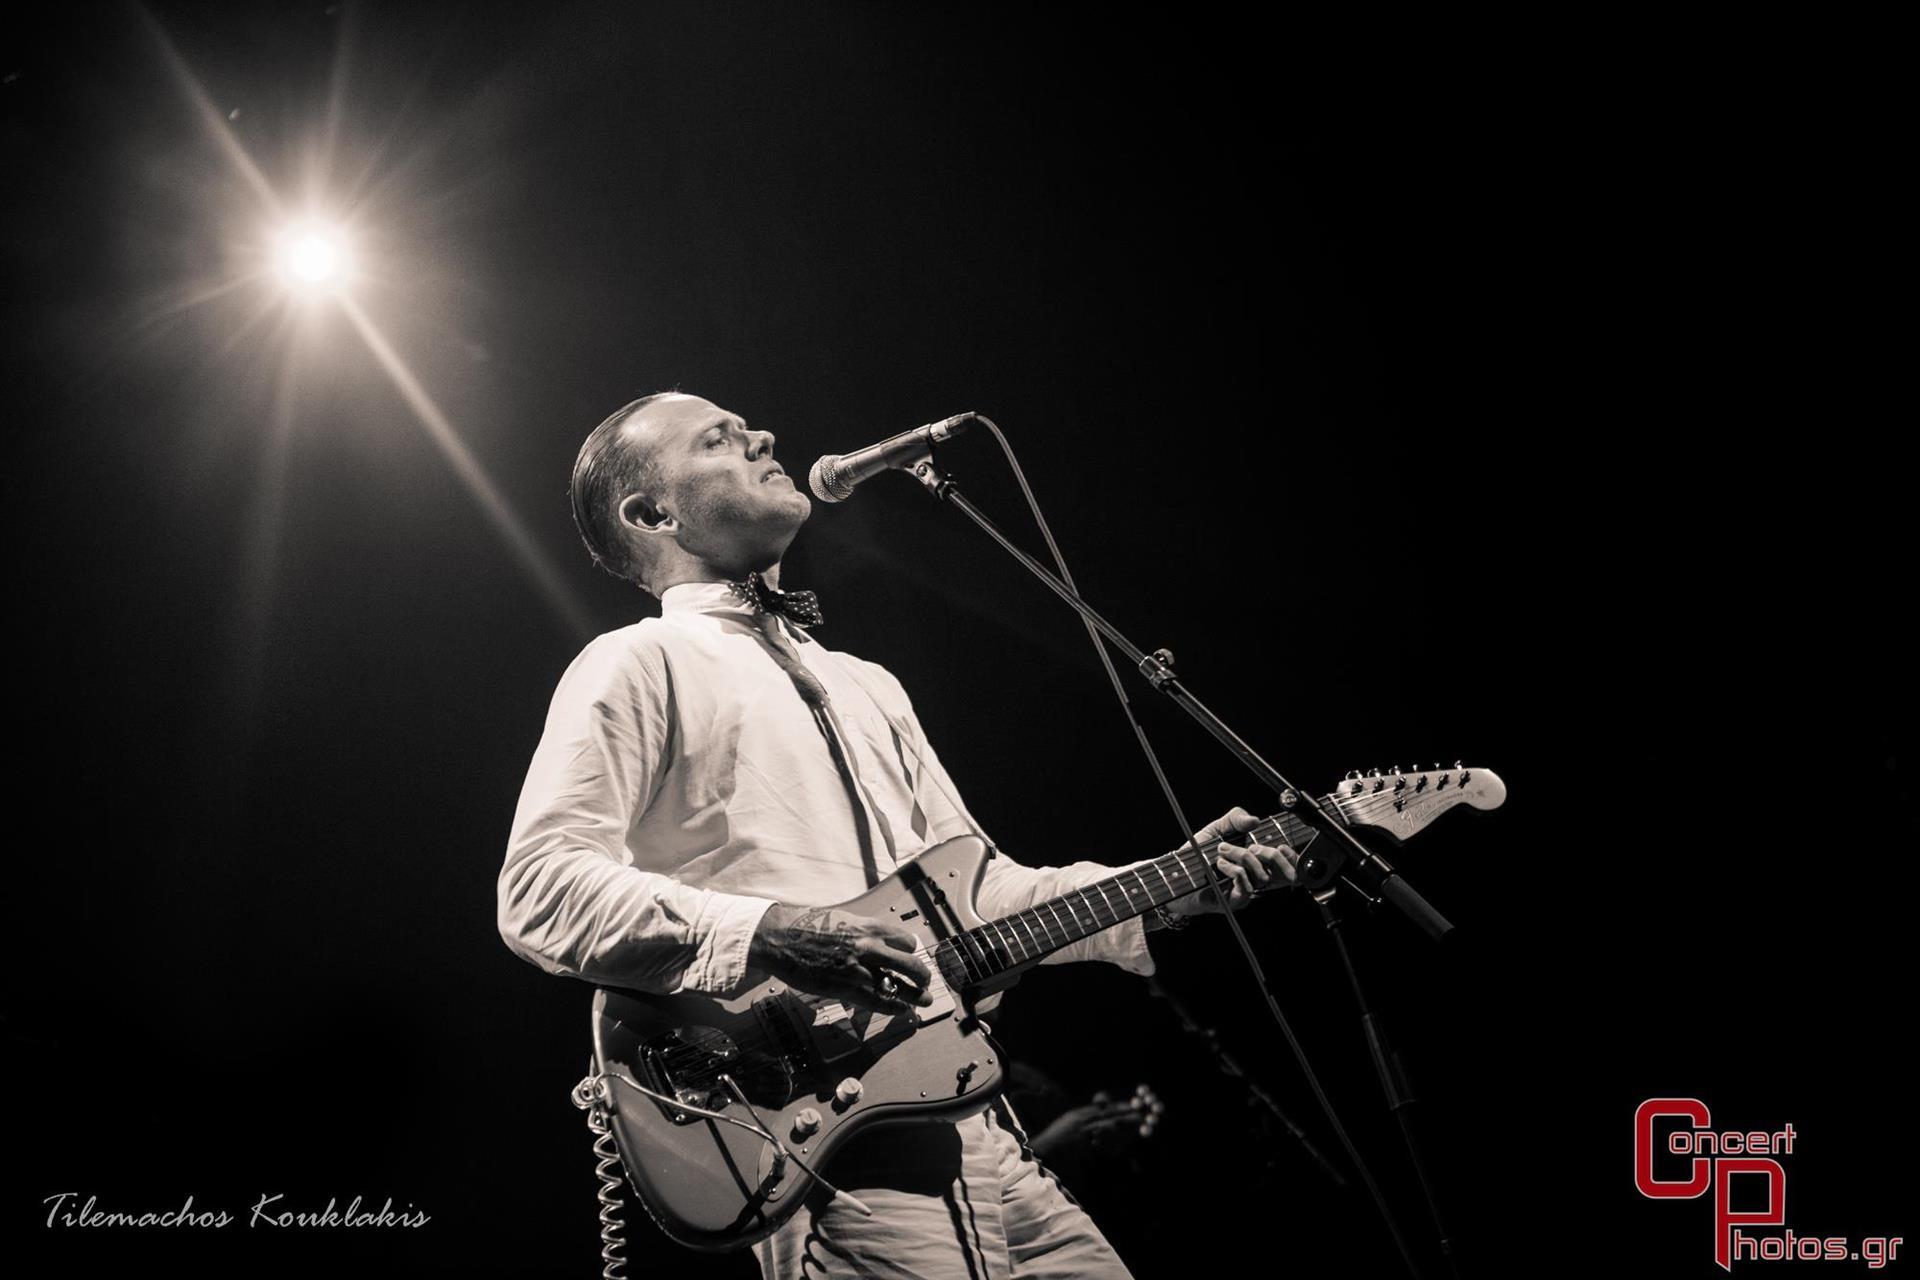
(787, 529)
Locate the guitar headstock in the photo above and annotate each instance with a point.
(1135, 1116)
(1402, 801)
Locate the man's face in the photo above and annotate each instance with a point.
(737, 509)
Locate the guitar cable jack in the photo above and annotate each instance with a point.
(783, 1150)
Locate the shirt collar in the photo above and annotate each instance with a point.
(719, 599)
(703, 597)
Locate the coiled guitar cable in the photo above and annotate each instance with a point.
(593, 1096)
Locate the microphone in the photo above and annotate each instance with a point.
(833, 477)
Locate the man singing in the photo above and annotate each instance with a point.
(710, 780)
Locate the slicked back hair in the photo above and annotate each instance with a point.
(608, 468)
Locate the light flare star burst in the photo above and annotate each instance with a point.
(313, 257)
(312, 260)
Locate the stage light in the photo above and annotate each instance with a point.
(313, 257)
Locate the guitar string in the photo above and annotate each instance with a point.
(1350, 806)
(1030, 918)
(1000, 954)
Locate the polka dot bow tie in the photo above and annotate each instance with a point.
(801, 607)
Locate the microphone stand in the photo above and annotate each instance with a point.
(1345, 858)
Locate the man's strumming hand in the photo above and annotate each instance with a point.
(852, 958)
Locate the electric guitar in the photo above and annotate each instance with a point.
(725, 1111)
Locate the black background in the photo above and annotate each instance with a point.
(1489, 394)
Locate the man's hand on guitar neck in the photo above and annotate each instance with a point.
(854, 959)
(1253, 868)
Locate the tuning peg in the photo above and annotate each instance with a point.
(1396, 771)
(1373, 773)
(1458, 765)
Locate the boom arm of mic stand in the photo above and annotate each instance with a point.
(1318, 867)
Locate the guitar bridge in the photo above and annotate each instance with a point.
(687, 1063)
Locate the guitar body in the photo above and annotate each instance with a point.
(716, 1186)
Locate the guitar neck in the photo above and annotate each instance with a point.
(1019, 939)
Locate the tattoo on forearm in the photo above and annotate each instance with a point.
(816, 940)
(808, 921)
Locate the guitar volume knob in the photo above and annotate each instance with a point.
(848, 1092)
(806, 1123)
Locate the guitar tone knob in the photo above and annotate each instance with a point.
(848, 1092)
(806, 1123)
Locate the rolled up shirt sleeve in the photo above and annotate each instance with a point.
(570, 899)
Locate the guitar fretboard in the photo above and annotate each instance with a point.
(1026, 936)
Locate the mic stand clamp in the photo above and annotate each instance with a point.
(1157, 667)
(1370, 875)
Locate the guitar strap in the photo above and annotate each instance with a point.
(868, 818)
(875, 815)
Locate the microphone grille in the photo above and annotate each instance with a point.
(825, 480)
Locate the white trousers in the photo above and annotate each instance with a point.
(964, 1201)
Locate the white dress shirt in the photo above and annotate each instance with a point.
(682, 786)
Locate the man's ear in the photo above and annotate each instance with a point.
(637, 510)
